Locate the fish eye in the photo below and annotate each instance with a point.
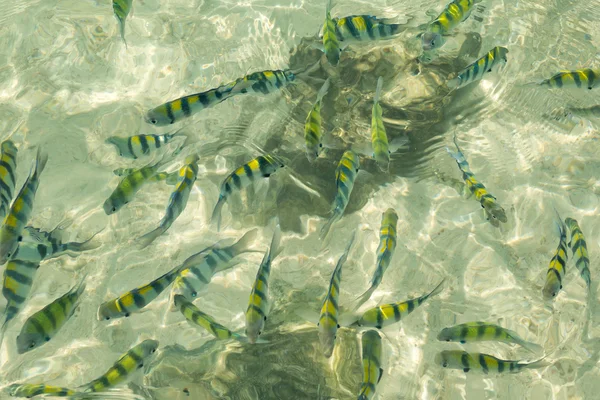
(447, 340)
(445, 364)
(259, 333)
(114, 209)
(31, 345)
(106, 318)
(153, 351)
(153, 121)
(20, 238)
(320, 144)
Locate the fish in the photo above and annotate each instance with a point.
(44, 324)
(453, 14)
(558, 263)
(313, 137)
(458, 359)
(328, 318)
(140, 145)
(578, 247)
(30, 390)
(482, 331)
(37, 245)
(389, 314)
(16, 286)
(262, 166)
(379, 140)
(258, 304)
(177, 202)
(385, 251)
(263, 82)
(121, 9)
(197, 317)
(170, 178)
(20, 210)
(345, 175)
(493, 210)
(8, 180)
(331, 44)
(371, 362)
(138, 298)
(581, 78)
(131, 184)
(125, 366)
(200, 267)
(492, 60)
(364, 27)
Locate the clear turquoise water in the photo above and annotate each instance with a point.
(67, 83)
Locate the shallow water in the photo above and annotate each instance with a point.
(67, 82)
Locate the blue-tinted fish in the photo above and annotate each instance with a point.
(558, 263)
(331, 44)
(30, 390)
(491, 61)
(379, 140)
(20, 210)
(364, 27)
(454, 13)
(178, 200)
(16, 286)
(312, 127)
(140, 145)
(371, 363)
(582, 78)
(578, 246)
(263, 82)
(38, 245)
(8, 168)
(122, 9)
(458, 359)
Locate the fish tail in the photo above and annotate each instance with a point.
(145, 240)
(453, 83)
(347, 250)
(171, 178)
(275, 244)
(243, 245)
(436, 290)
(80, 288)
(216, 215)
(323, 90)
(329, 6)
(40, 162)
(325, 230)
(378, 91)
(78, 247)
(364, 297)
(532, 347)
(539, 363)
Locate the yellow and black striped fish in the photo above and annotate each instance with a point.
(493, 210)
(177, 202)
(45, 324)
(578, 246)
(491, 61)
(330, 39)
(379, 140)
(140, 145)
(312, 127)
(20, 210)
(17, 282)
(8, 168)
(263, 82)
(122, 370)
(388, 314)
(558, 263)
(261, 166)
(137, 298)
(482, 331)
(454, 13)
(169, 178)
(258, 304)
(197, 317)
(385, 251)
(122, 9)
(581, 78)
(345, 175)
(30, 390)
(458, 359)
(328, 318)
(371, 362)
(37, 245)
(364, 27)
(199, 268)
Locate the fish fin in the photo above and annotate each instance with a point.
(363, 298)
(453, 83)
(325, 229)
(323, 91)
(243, 245)
(40, 162)
(380, 374)
(349, 318)
(329, 6)
(378, 90)
(437, 289)
(118, 142)
(79, 247)
(145, 240)
(308, 315)
(171, 178)
(539, 363)
(398, 142)
(79, 288)
(532, 347)
(275, 248)
(216, 215)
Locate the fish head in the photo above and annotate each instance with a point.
(333, 56)
(495, 211)
(109, 310)
(312, 152)
(383, 161)
(552, 287)
(148, 347)
(446, 335)
(27, 341)
(254, 327)
(450, 359)
(113, 204)
(9, 147)
(327, 336)
(158, 116)
(18, 390)
(431, 41)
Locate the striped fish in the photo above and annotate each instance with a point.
(20, 210)
(493, 210)
(8, 168)
(137, 298)
(140, 145)
(261, 166)
(263, 82)
(364, 27)
(385, 251)
(30, 390)
(458, 359)
(578, 246)
(45, 324)
(388, 314)
(122, 9)
(330, 39)
(345, 175)
(328, 318)
(454, 13)
(492, 60)
(122, 370)
(178, 200)
(170, 178)
(197, 317)
(558, 263)
(581, 78)
(258, 304)
(37, 245)
(371, 362)
(312, 127)
(379, 140)
(200, 267)
(16, 285)
(482, 331)
(131, 184)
